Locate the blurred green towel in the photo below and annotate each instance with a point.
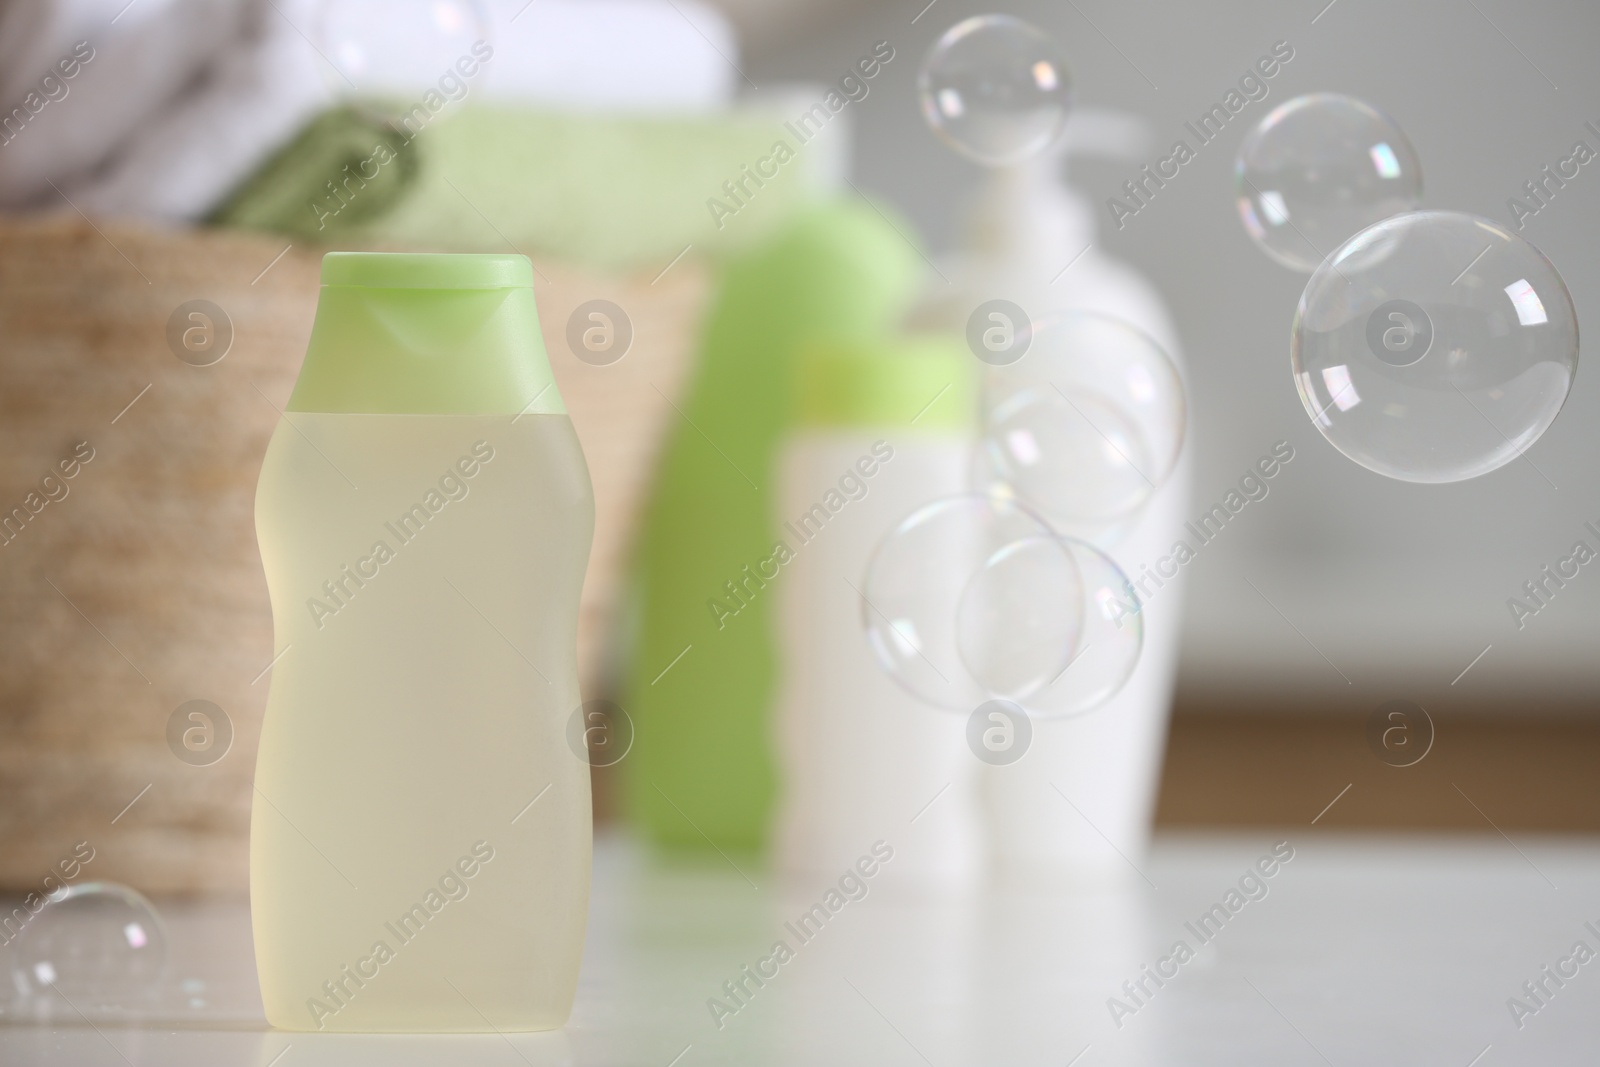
(604, 190)
(328, 180)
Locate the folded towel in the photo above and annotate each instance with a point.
(254, 96)
(608, 191)
(142, 63)
(347, 168)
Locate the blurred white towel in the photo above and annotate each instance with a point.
(186, 98)
(620, 55)
(156, 51)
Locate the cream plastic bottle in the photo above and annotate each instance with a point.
(420, 834)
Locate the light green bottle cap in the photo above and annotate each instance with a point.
(927, 381)
(426, 334)
(426, 270)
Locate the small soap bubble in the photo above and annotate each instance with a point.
(917, 577)
(1088, 425)
(98, 946)
(1075, 640)
(1317, 170)
(1434, 346)
(996, 89)
(1021, 616)
(380, 57)
(974, 597)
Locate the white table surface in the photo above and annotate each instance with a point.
(1366, 950)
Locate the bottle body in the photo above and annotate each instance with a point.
(420, 833)
(1108, 761)
(1025, 227)
(860, 755)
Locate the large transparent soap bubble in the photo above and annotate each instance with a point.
(974, 597)
(1434, 346)
(1087, 425)
(996, 89)
(1317, 170)
(97, 946)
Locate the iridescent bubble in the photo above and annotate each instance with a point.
(1087, 425)
(916, 580)
(974, 597)
(1021, 617)
(1094, 632)
(996, 89)
(382, 57)
(1318, 169)
(1434, 346)
(97, 946)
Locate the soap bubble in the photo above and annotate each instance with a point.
(1318, 169)
(915, 581)
(996, 89)
(1434, 346)
(1072, 584)
(974, 597)
(413, 48)
(96, 945)
(1087, 425)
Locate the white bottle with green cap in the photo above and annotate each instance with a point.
(882, 429)
(420, 833)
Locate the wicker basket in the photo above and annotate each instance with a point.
(141, 587)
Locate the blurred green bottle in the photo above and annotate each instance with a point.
(701, 680)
